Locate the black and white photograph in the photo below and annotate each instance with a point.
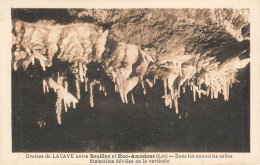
(130, 80)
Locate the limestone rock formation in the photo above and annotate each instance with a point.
(181, 47)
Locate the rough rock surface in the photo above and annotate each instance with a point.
(166, 29)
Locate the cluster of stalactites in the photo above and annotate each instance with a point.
(127, 65)
(199, 70)
(60, 87)
(89, 86)
(74, 43)
(42, 40)
(64, 98)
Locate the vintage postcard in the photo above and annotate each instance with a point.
(120, 82)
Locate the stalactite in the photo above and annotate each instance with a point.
(132, 96)
(77, 83)
(59, 108)
(194, 93)
(86, 84)
(66, 85)
(100, 46)
(149, 82)
(91, 98)
(81, 73)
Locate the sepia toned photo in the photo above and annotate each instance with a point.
(130, 80)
